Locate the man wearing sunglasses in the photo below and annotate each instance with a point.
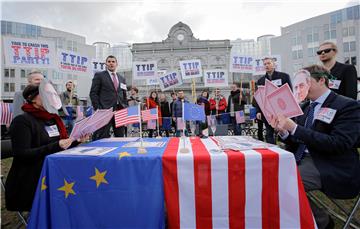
(344, 80)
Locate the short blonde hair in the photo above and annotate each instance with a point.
(332, 44)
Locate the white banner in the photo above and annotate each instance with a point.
(20, 52)
(216, 78)
(241, 63)
(190, 69)
(169, 80)
(98, 65)
(153, 82)
(144, 70)
(73, 62)
(259, 68)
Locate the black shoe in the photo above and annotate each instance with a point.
(331, 224)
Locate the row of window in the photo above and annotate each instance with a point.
(15, 28)
(351, 13)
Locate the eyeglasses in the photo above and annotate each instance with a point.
(325, 51)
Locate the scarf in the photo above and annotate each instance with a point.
(44, 115)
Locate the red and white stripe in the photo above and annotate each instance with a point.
(6, 114)
(146, 115)
(232, 189)
(122, 118)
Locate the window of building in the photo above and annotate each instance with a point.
(351, 31)
(22, 73)
(312, 52)
(297, 54)
(12, 87)
(6, 72)
(346, 46)
(12, 73)
(6, 87)
(353, 60)
(345, 32)
(350, 13)
(22, 87)
(352, 46)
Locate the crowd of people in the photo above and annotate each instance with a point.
(324, 139)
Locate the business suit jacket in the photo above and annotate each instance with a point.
(285, 78)
(103, 94)
(348, 76)
(333, 147)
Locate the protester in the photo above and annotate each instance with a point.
(34, 135)
(70, 101)
(174, 98)
(166, 114)
(153, 102)
(34, 78)
(134, 98)
(344, 76)
(108, 90)
(177, 113)
(218, 105)
(324, 141)
(277, 78)
(204, 101)
(236, 102)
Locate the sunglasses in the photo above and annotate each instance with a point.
(324, 51)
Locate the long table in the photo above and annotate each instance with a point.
(165, 188)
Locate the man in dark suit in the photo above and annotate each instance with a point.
(344, 80)
(108, 90)
(324, 142)
(279, 79)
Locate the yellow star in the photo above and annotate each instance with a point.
(99, 177)
(67, 188)
(124, 154)
(43, 186)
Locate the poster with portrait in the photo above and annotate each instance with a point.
(169, 80)
(216, 78)
(144, 70)
(190, 69)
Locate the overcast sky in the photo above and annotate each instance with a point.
(148, 21)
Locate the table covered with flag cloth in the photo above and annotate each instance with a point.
(204, 188)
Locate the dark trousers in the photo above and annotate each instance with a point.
(310, 177)
(270, 136)
(104, 132)
(236, 126)
(260, 125)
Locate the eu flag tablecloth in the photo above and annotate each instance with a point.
(121, 189)
(206, 187)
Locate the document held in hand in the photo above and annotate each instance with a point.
(283, 102)
(275, 101)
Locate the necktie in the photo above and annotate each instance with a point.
(299, 154)
(115, 81)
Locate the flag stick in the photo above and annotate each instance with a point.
(141, 149)
(184, 149)
(157, 122)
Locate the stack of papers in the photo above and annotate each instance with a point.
(240, 143)
(274, 101)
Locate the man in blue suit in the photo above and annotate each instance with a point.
(108, 90)
(324, 141)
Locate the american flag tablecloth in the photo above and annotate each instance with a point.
(210, 188)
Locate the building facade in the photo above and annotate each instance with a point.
(181, 44)
(298, 43)
(15, 78)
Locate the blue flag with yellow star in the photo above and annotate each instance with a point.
(194, 112)
(119, 189)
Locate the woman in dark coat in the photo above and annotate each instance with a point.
(34, 135)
